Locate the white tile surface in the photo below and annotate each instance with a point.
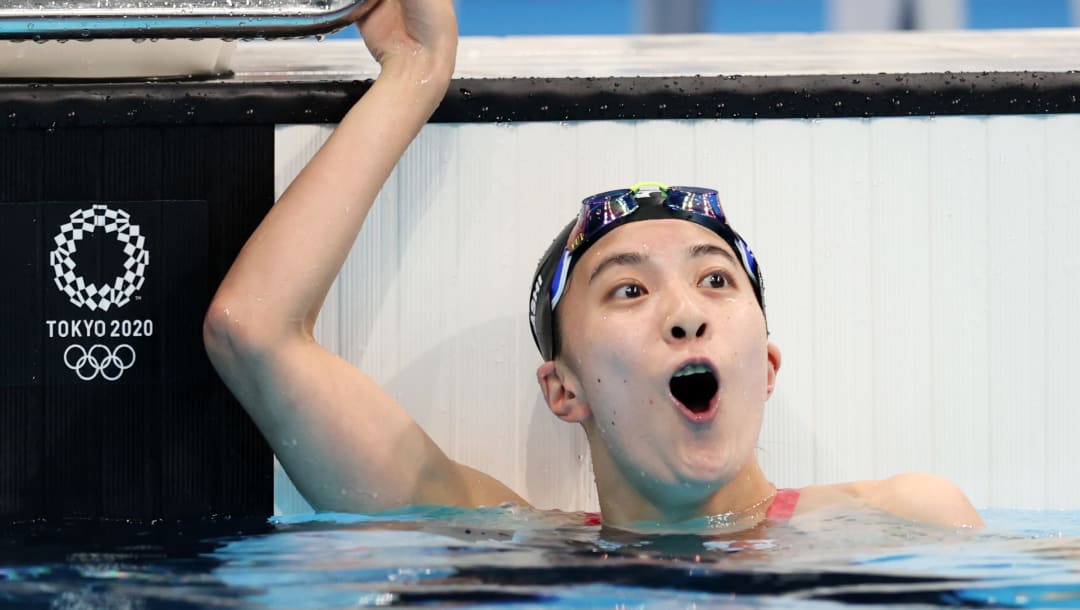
(959, 296)
(1017, 257)
(843, 335)
(921, 281)
(1052, 50)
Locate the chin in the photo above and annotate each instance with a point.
(709, 468)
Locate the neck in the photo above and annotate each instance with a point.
(740, 503)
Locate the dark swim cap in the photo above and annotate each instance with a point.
(553, 271)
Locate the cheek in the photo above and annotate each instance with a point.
(605, 336)
(750, 355)
(614, 358)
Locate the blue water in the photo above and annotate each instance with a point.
(511, 557)
(566, 17)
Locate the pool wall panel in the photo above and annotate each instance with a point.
(842, 332)
(900, 297)
(1017, 260)
(960, 291)
(1062, 323)
(782, 182)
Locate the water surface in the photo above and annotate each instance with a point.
(512, 557)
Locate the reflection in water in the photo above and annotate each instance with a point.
(547, 558)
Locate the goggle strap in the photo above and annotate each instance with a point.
(747, 259)
(634, 188)
(558, 285)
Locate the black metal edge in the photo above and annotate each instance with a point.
(239, 102)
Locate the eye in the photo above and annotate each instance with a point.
(628, 291)
(715, 279)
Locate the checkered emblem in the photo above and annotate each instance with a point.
(81, 224)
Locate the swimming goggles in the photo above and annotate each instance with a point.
(602, 212)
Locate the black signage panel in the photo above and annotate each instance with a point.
(112, 241)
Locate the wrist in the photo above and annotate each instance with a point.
(421, 65)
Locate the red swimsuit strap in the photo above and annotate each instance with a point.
(781, 509)
(783, 505)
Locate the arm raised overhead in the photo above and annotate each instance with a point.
(342, 439)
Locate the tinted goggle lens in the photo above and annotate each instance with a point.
(601, 210)
(598, 212)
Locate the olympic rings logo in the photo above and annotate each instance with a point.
(110, 364)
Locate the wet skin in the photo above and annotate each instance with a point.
(644, 301)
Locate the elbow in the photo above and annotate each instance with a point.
(238, 330)
(229, 334)
(218, 336)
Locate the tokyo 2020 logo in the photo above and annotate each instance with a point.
(128, 280)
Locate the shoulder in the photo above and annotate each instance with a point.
(921, 497)
(917, 496)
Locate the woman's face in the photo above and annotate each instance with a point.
(666, 345)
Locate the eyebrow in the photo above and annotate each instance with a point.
(701, 250)
(620, 258)
(636, 258)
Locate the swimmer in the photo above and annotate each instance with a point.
(648, 311)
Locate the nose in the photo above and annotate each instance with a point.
(685, 322)
(679, 332)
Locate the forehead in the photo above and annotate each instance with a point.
(659, 238)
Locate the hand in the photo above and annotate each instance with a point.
(397, 30)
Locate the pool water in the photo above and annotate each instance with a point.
(512, 557)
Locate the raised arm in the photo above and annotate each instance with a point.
(344, 441)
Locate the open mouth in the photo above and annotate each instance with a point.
(694, 385)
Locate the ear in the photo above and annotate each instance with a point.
(560, 389)
(774, 367)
